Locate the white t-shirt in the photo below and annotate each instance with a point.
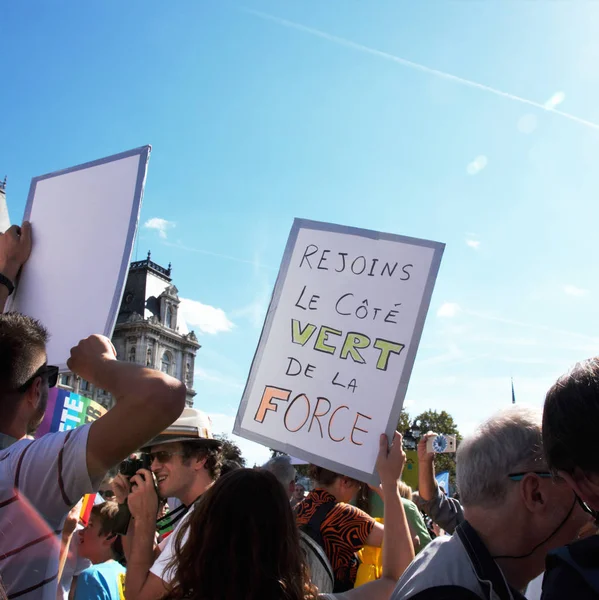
(40, 481)
(167, 552)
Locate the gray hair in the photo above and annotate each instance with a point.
(509, 442)
(282, 469)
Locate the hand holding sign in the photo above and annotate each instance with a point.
(390, 461)
(340, 338)
(15, 248)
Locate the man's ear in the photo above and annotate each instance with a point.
(34, 393)
(200, 463)
(584, 487)
(533, 494)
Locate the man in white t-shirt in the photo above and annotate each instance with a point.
(41, 480)
(186, 461)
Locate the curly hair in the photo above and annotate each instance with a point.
(200, 450)
(255, 540)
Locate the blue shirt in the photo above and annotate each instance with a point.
(105, 581)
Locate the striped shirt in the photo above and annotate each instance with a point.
(40, 481)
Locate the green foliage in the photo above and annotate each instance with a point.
(231, 451)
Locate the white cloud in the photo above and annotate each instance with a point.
(207, 319)
(555, 100)
(477, 165)
(473, 244)
(160, 225)
(254, 454)
(527, 123)
(572, 290)
(448, 309)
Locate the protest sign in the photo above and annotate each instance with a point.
(338, 345)
(84, 221)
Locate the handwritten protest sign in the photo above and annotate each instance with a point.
(332, 366)
(99, 203)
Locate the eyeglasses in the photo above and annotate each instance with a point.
(587, 509)
(163, 456)
(45, 370)
(107, 494)
(520, 476)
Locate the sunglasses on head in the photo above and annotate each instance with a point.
(48, 371)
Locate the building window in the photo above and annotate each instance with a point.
(84, 386)
(166, 363)
(65, 380)
(132, 354)
(169, 317)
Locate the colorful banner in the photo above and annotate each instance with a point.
(410, 470)
(66, 410)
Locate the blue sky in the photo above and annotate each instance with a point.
(273, 109)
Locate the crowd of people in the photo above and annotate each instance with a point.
(173, 520)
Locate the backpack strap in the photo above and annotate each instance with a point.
(312, 527)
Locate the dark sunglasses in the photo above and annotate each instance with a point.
(48, 371)
(163, 456)
(107, 494)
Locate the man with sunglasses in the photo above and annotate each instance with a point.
(185, 462)
(570, 419)
(41, 480)
(515, 513)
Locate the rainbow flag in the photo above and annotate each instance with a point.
(86, 508)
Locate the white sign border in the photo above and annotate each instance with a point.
(144, 156)
(402, 387)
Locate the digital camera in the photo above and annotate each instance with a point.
(130, 466)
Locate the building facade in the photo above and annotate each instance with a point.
(149, 331)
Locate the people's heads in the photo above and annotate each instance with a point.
(97, 539)
(105, 490)
(244, 522)
(228, 466)
(503, 479)
(185, 457)
(180, 467)
(281, 467)
(405, 491)
(24, 375)
(342, 487)
(299, 491)
(569, 429)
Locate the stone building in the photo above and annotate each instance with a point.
(149, 330)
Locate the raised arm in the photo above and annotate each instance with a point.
(398, 550)
(446, 512)
(147, 402)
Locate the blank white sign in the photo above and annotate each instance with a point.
(84, 221)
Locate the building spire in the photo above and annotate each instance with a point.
(513, 394)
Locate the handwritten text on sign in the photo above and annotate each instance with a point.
(345, 315)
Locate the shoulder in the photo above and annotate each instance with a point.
(347, 511)
(572, 571)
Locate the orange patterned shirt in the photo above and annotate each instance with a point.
(344, 531)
